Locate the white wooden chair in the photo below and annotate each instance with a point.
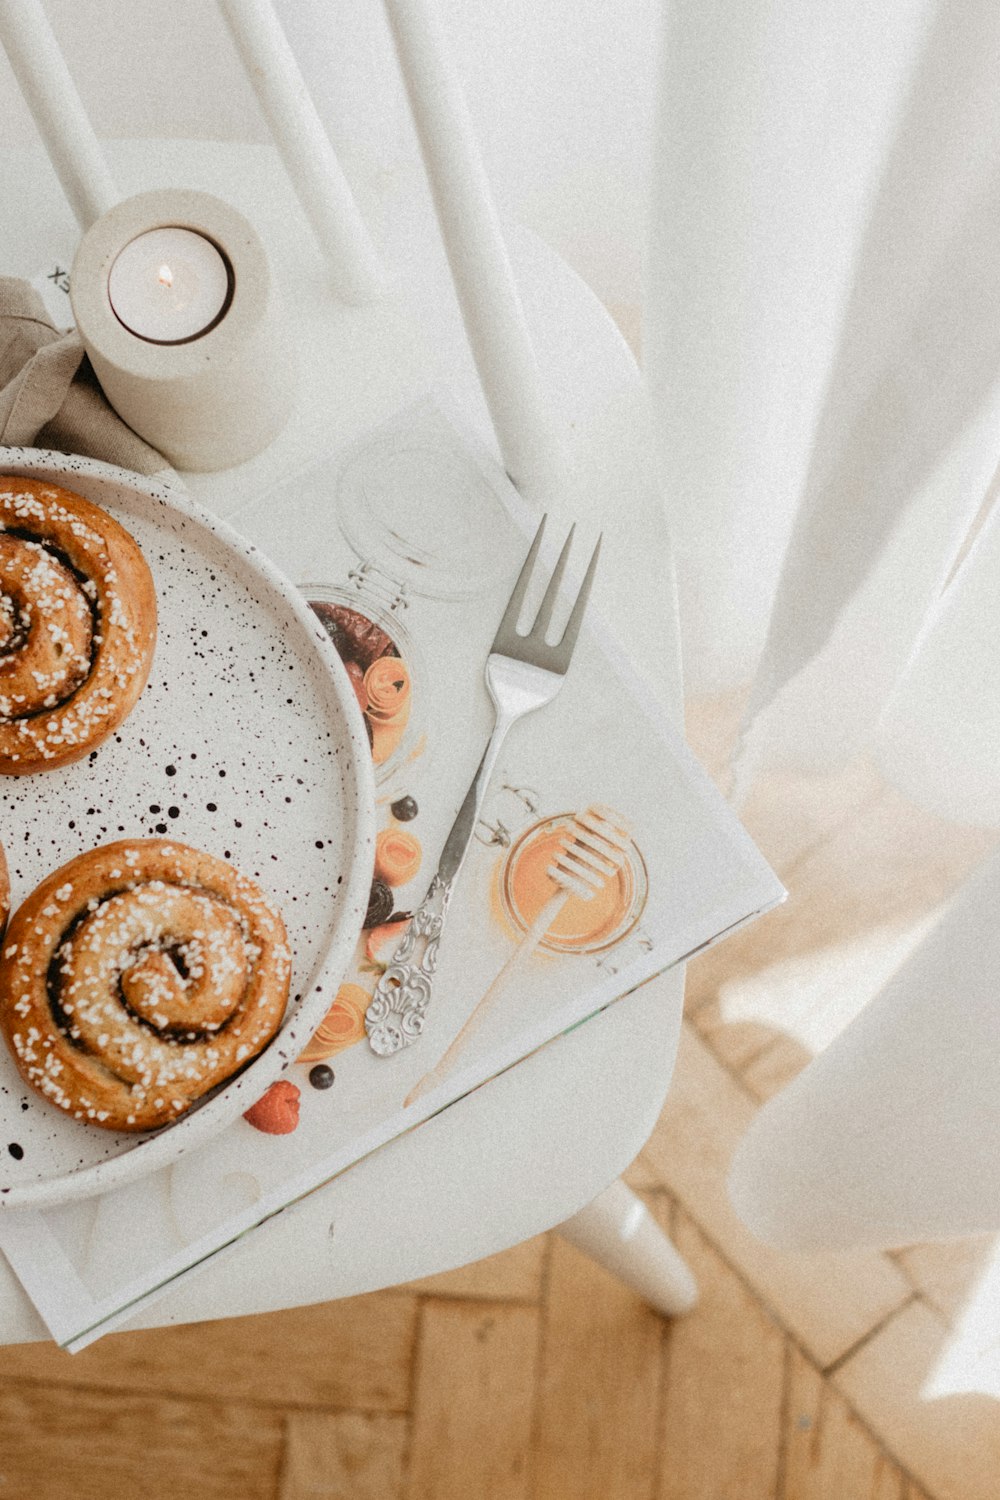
(544, 1144)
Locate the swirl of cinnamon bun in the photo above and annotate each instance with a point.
(138, 977)
(77, 625)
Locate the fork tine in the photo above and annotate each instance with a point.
(543, 619)
(513, 610)
(565, 648)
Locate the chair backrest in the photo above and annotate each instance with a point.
(488, 296)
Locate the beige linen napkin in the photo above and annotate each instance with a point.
(49, 395)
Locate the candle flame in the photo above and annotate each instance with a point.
(166, 276)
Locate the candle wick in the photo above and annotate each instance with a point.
(166, 277)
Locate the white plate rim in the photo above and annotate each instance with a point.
(172, 1141)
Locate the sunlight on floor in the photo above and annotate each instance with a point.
(970, 1359)
(812, 996)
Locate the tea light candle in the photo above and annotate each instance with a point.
(169, 285)
(177, 308)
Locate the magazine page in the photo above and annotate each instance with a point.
(408, 546)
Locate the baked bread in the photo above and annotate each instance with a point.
(138, 977)
(77, 625)
(4, 893)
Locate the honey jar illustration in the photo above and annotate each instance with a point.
(582, 925)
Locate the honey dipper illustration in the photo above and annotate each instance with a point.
(593, 850)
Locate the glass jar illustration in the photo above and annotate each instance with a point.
(364, 619)
(422, 522)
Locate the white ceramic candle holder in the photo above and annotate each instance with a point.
(218, 395)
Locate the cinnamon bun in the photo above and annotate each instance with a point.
(138, 977)
(77, 625)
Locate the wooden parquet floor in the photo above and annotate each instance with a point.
(531, 1376)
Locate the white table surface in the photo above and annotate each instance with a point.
(528, 1149)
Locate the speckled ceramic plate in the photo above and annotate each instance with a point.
(248, 743)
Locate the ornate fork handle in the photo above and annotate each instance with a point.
(398, 1008)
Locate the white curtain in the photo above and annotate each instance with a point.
(822, 336)
(822, 341)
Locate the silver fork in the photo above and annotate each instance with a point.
(523, 672)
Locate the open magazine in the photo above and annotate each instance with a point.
(408, 545)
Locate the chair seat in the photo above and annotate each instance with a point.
(534, 1146)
